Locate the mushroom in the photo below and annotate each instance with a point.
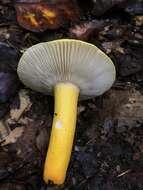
(66, 68)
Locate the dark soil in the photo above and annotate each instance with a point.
(108, 147)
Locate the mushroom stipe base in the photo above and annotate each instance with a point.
(62, 135)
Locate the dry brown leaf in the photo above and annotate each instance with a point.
(4, 130)
(13, 136)
(25, 105)
(138, 20)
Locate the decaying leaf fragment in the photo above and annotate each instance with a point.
(25, 105)
(13, 136)
(38, 17)
(86, 29)
(4, 130)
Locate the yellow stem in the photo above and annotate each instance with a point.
(62, 135)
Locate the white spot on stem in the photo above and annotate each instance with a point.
(58, 124)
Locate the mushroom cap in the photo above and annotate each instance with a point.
(44, 65)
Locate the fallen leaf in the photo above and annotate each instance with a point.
(25, 105)
(38, 17)
(113, 46)
(138, 20)
(84, 30)
(4, 130)
(13, 136)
